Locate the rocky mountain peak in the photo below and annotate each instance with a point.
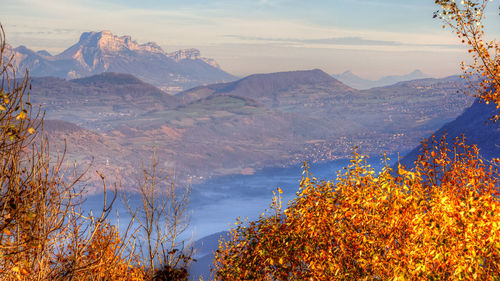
(185, 54)
(44, 53)
(107, 42)
(103, 51)
(191, 54)
(23, 49)
(152, 47)
(18, 55)
(417, 72)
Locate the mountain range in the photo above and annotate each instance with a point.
(98, 52)
(359, 83)
(276, 119)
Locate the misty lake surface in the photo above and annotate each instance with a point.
(216, 203)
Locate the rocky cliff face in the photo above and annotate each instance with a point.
(105, 42)
(191, 54)
(98, 52)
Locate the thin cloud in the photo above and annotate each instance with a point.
(343, 41)
(353, 41)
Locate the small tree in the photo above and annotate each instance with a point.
(103, 258)
(466, 20)
(161, 219)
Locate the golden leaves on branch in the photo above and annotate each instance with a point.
(439, 220)
(466, 20)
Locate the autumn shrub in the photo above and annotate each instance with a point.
(104, 258)
(438, 221)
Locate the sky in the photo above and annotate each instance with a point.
(372, 38)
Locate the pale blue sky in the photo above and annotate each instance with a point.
(370, 37)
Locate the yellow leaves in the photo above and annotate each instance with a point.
(467, 22)
(389, 228)
(31, 130)
(19, 272)
(21, 115)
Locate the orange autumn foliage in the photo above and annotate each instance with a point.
(103, 258)
(466, 19)
(438, 221)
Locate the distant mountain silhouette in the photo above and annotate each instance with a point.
(98, 52)
(52, 127)
(115, 95)
(268, 87)
(474, 123)
(110, 78)
(359, 83)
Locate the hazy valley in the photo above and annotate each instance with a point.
(264, 120)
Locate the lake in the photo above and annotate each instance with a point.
(216, 203)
